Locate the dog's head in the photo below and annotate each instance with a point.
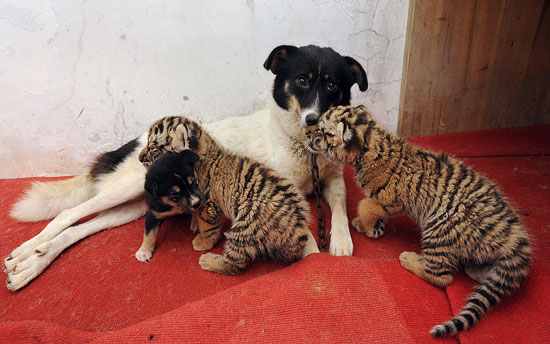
(171, 182)
(310, 80)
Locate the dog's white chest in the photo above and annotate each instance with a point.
(259, 137)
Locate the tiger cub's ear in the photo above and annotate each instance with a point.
(345, 132)
(181, 140)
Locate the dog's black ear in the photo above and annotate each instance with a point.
(359, 75)
(278, 56)
(189, 156)
(151, 187)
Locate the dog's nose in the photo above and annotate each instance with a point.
(312, 119)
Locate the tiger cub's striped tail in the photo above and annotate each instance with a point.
(504, 277)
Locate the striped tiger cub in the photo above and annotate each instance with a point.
(269, 214)
(465, 220)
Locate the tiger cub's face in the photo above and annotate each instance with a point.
(333, 135)
(169, 134)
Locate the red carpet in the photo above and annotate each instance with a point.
(97, 291)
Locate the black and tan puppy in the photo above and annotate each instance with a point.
(171, 189)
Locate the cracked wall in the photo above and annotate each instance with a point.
(79, 77)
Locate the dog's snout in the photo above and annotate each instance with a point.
(312, 119)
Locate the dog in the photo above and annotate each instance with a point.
(308, 81)
(171, 188)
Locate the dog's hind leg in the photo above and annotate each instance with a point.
(120, 190)
(43, 255)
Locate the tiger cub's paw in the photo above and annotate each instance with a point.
(411, 261)
(202, 244)
(194, 226)
(211, 262)
(358, 225)
(374, 233)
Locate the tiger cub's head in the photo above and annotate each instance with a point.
(170, 134)
(339, 133)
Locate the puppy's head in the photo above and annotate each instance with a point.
(171, 181)
(310, 80)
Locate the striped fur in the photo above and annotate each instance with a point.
(269, 215)
(207, 221)
(465, 220)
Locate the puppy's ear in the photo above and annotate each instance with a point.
(181, 139)
(278, 57)
(189, 156)
(359, 75)
(345, 132)
(151, 187)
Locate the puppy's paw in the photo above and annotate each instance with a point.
(144, 255)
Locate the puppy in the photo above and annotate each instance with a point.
(170, 189)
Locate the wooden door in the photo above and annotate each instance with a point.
(475, 64)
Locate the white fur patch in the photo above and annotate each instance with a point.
(313, 109)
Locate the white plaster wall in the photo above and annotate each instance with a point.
(81, 77)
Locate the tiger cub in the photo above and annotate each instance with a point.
(269, 214)
(464, 218)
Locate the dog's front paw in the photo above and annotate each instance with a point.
(144, 255)
(21, 253)
(340, 243)
(25, 271)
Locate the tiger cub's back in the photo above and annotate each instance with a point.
(261, 203)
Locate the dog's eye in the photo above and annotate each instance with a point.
(331, 86)
(174, 194)
(302, 82)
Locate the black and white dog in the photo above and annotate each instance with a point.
(309, 80)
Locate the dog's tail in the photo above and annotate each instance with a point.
(46, 200)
